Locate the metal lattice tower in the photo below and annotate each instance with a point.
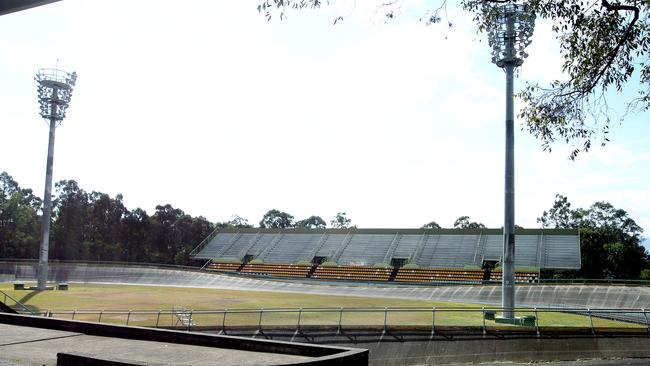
(54, 93)
(509, 34)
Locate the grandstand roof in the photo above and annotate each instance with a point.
(537, 248)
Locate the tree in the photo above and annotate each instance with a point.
(464, 223)
(431, 225)
(167, 224)
(609, 238)
(19, 220)
(104, 226)
(560, 215)
(341, 221)
(239, 222)
(71, 219)
(135, 234)
(603, 44)
(312, 222)
(275, 219)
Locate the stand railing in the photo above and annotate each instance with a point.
(386, 318)
(21, 307)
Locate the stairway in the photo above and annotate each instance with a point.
(393, 274)
(312, 270)
(183, 316)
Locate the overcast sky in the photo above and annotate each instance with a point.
(216, 111)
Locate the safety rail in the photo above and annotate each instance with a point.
(385, 318)
(204, 243)
(22, 306)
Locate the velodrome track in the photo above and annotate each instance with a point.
(589, 296)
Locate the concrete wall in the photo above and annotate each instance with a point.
(472, 345)
(319, 354)
(493, 349)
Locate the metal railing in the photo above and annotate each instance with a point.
(386, 318)
(16, 303)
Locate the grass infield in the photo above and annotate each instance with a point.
(145, 301)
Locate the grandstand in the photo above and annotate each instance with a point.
(399, 255)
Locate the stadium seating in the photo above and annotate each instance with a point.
(278, 270)
(364, 273)
(520, 277)
(438, 275)
(230, 267)
(357, 273)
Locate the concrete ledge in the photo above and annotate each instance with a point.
(471, 345)
(323, 355)
(80, 359)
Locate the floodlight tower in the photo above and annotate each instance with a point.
(511, 31)
(54, 94)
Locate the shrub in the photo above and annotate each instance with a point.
(644, 274)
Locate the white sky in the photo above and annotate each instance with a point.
(216, 111)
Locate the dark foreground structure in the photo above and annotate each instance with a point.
(26, 340)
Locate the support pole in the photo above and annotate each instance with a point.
(508, 274)
(47, 211)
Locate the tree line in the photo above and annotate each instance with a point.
(93, 226)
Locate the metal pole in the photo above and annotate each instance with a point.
(47, 209)
(508, 278)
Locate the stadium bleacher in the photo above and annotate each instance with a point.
(400, 255)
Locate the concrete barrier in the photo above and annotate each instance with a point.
(324, 355)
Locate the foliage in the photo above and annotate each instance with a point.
(312, 222)
(94, 226)
(431, 225)
(275, 219)
(19, 220)
(644, 274)
(341, 221)
(609, 238)
(239, 222)
(382, 265)
(411, 265)
(604, 45)
(464, 223)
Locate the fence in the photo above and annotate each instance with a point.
(386, 319)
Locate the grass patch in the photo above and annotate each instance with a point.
(146, 301)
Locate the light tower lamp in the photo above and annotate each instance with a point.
(511, 31)
(54, 94)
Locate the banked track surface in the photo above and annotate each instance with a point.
(590, 296)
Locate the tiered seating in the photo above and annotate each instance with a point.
(520, 277)
(231, 267)
(357, 273)
(361, 273)
(439, 275)
(280, 270)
